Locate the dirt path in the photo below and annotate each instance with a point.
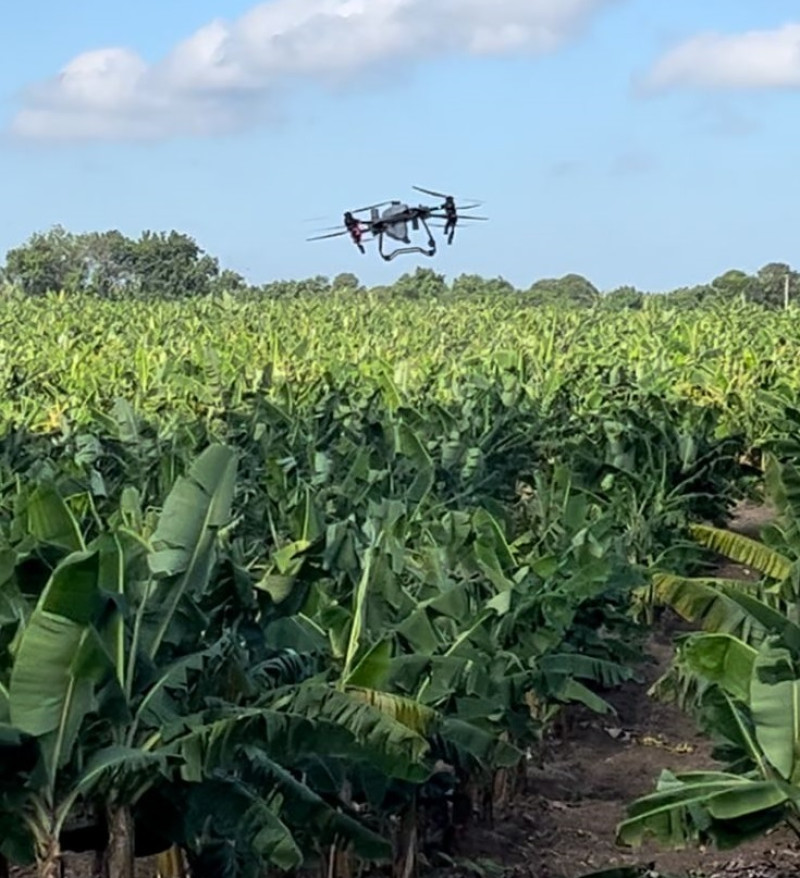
(750, 517)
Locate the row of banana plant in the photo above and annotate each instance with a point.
(315, 625)
(738, 675)
(65, 358)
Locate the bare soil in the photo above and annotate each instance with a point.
(565, 824)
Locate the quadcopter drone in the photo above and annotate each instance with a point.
(393, 223)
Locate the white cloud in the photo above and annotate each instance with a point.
(226, 75)
(757, 59)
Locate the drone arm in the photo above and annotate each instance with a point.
(431, 239)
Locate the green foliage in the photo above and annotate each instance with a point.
(171, 266)
(571, 289)
(623, 299)
(351, 583)
(734, 285)
(475, 285)
(424, 283)
(771, 280)
(49, 262)
(346, 281)
(689, 298)
(110, 265)
(335, 558)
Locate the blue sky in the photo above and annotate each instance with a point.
(633, 141)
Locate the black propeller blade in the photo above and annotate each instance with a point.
(329, 235)
(477, 201)
(430, 192)
(337, 235)
(460, 217)
(371, 207)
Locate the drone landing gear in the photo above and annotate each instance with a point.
(389, 256)
(430, 251)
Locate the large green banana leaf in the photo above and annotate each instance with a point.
(60, 660)
(720, 659)
(184, 542)
(775, 709)
(689, 806)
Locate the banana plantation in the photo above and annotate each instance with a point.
(305, 586)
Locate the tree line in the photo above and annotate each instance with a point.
(171, 265)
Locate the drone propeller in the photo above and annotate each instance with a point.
(468, 216)
(371, 207)
(430, 192)
(329, 235)
(459, 208)
(336, 235)
(442, 195)
(331, 228)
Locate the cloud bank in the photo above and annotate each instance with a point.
(757, 59)
(227, 75)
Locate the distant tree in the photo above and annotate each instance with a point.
(346, 281)
(475, 285)
(571, 289)
(229, 282)
(623, 298)
(690, 297)
(280, 289)
(48, 262)
(771, 283)
(315, 286)
(109, 263)
(468, 285)
(499, 286)
(172, 265)
(734, 285)
(425, 283)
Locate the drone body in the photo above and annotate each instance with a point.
(394, 223)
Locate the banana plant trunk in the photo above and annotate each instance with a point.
(407, 842)
(170, 864)
(49, 860)
(118, 861)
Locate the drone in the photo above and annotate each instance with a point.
(394, 221)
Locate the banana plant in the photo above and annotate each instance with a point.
(752, 708)
(82, 680)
